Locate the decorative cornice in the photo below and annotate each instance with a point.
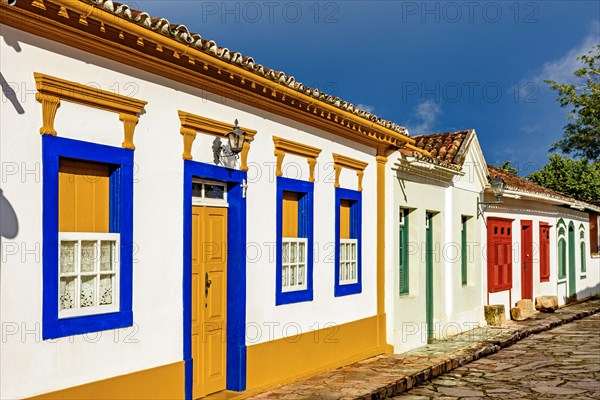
(340, 161)
(283, 146)
(113, 36)
(192, 123)
(50, 90)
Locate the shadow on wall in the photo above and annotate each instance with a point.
(9, 224)
(11, 94)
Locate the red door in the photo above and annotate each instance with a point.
(526, 260)
(499, 254)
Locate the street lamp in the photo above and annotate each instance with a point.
(497, 185)
(236, 144)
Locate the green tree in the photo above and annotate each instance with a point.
(577, 178)
(506, 166)
(582, 135)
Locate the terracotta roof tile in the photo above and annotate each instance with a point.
(446, 148)
(519, 184)
(182, 34)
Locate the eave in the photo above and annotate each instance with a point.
(82, 26)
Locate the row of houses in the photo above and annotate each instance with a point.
(152, 247)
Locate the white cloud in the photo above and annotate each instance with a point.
(561, 70)
(427, 113)
(366, 107)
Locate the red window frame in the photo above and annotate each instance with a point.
(544, 252)
(499, 254)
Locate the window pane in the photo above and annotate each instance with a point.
(301, 274)
(67, 256)
(348, 251)
(67, 293)
(301, 252)
(284, 276)
(196, 190)
(293, 249)
(293, 275)
(354, 257)
(106, 289)
(342, 252)
(88, 256)
(107, 255)
(213, 191)
(354, 271)
(286, 252)
(88, 291)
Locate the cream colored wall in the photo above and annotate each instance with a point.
(31, 365)
(456, 307)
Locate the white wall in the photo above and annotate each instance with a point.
(456, 307)
(31, 366)
(537, 212)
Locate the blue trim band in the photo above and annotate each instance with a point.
(121, 220)
(355, 197)
(236, 271)
(305, 229)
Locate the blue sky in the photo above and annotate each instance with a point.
(432, 66)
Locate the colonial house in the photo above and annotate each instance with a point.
(538, 242)
(434, 287)
(154, 248)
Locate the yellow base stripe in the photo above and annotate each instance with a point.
(282, 361)
(165, 382)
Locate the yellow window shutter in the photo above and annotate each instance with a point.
(344, 219)
(290, 214)
(83, 196)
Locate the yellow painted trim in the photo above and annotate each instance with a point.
(164, 382)
(340, 161)
(282, 361)
(283, 146)
(192, 123)
(167, 57)
(381, 160)
(50, 90)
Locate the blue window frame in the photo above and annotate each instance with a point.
(120, 221)
(355, 199)
(305, 191)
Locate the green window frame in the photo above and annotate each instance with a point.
(463, 251)
(403, 251)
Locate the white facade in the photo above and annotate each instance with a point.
(423, 187)
(31, 365)
(521, 207)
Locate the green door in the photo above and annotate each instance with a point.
(403, 251)
(429, 274)
(572, 270)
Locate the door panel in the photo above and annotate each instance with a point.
(572, 269)
(209, 299)
(429, 276)
(526, 260)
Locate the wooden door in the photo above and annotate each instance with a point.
(429, 275)
(209, 299)
(526, 260)
(499, 254)
(572, 269)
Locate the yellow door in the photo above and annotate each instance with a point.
(209, 299)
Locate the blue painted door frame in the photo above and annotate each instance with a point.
(236, 271)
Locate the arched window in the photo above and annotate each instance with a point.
(562, 250)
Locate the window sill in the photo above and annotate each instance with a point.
(87, 324)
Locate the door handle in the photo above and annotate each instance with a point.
(207, 283)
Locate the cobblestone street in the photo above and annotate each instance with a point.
(563, 363)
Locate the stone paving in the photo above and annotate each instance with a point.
(393, 374)
(563, 363)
